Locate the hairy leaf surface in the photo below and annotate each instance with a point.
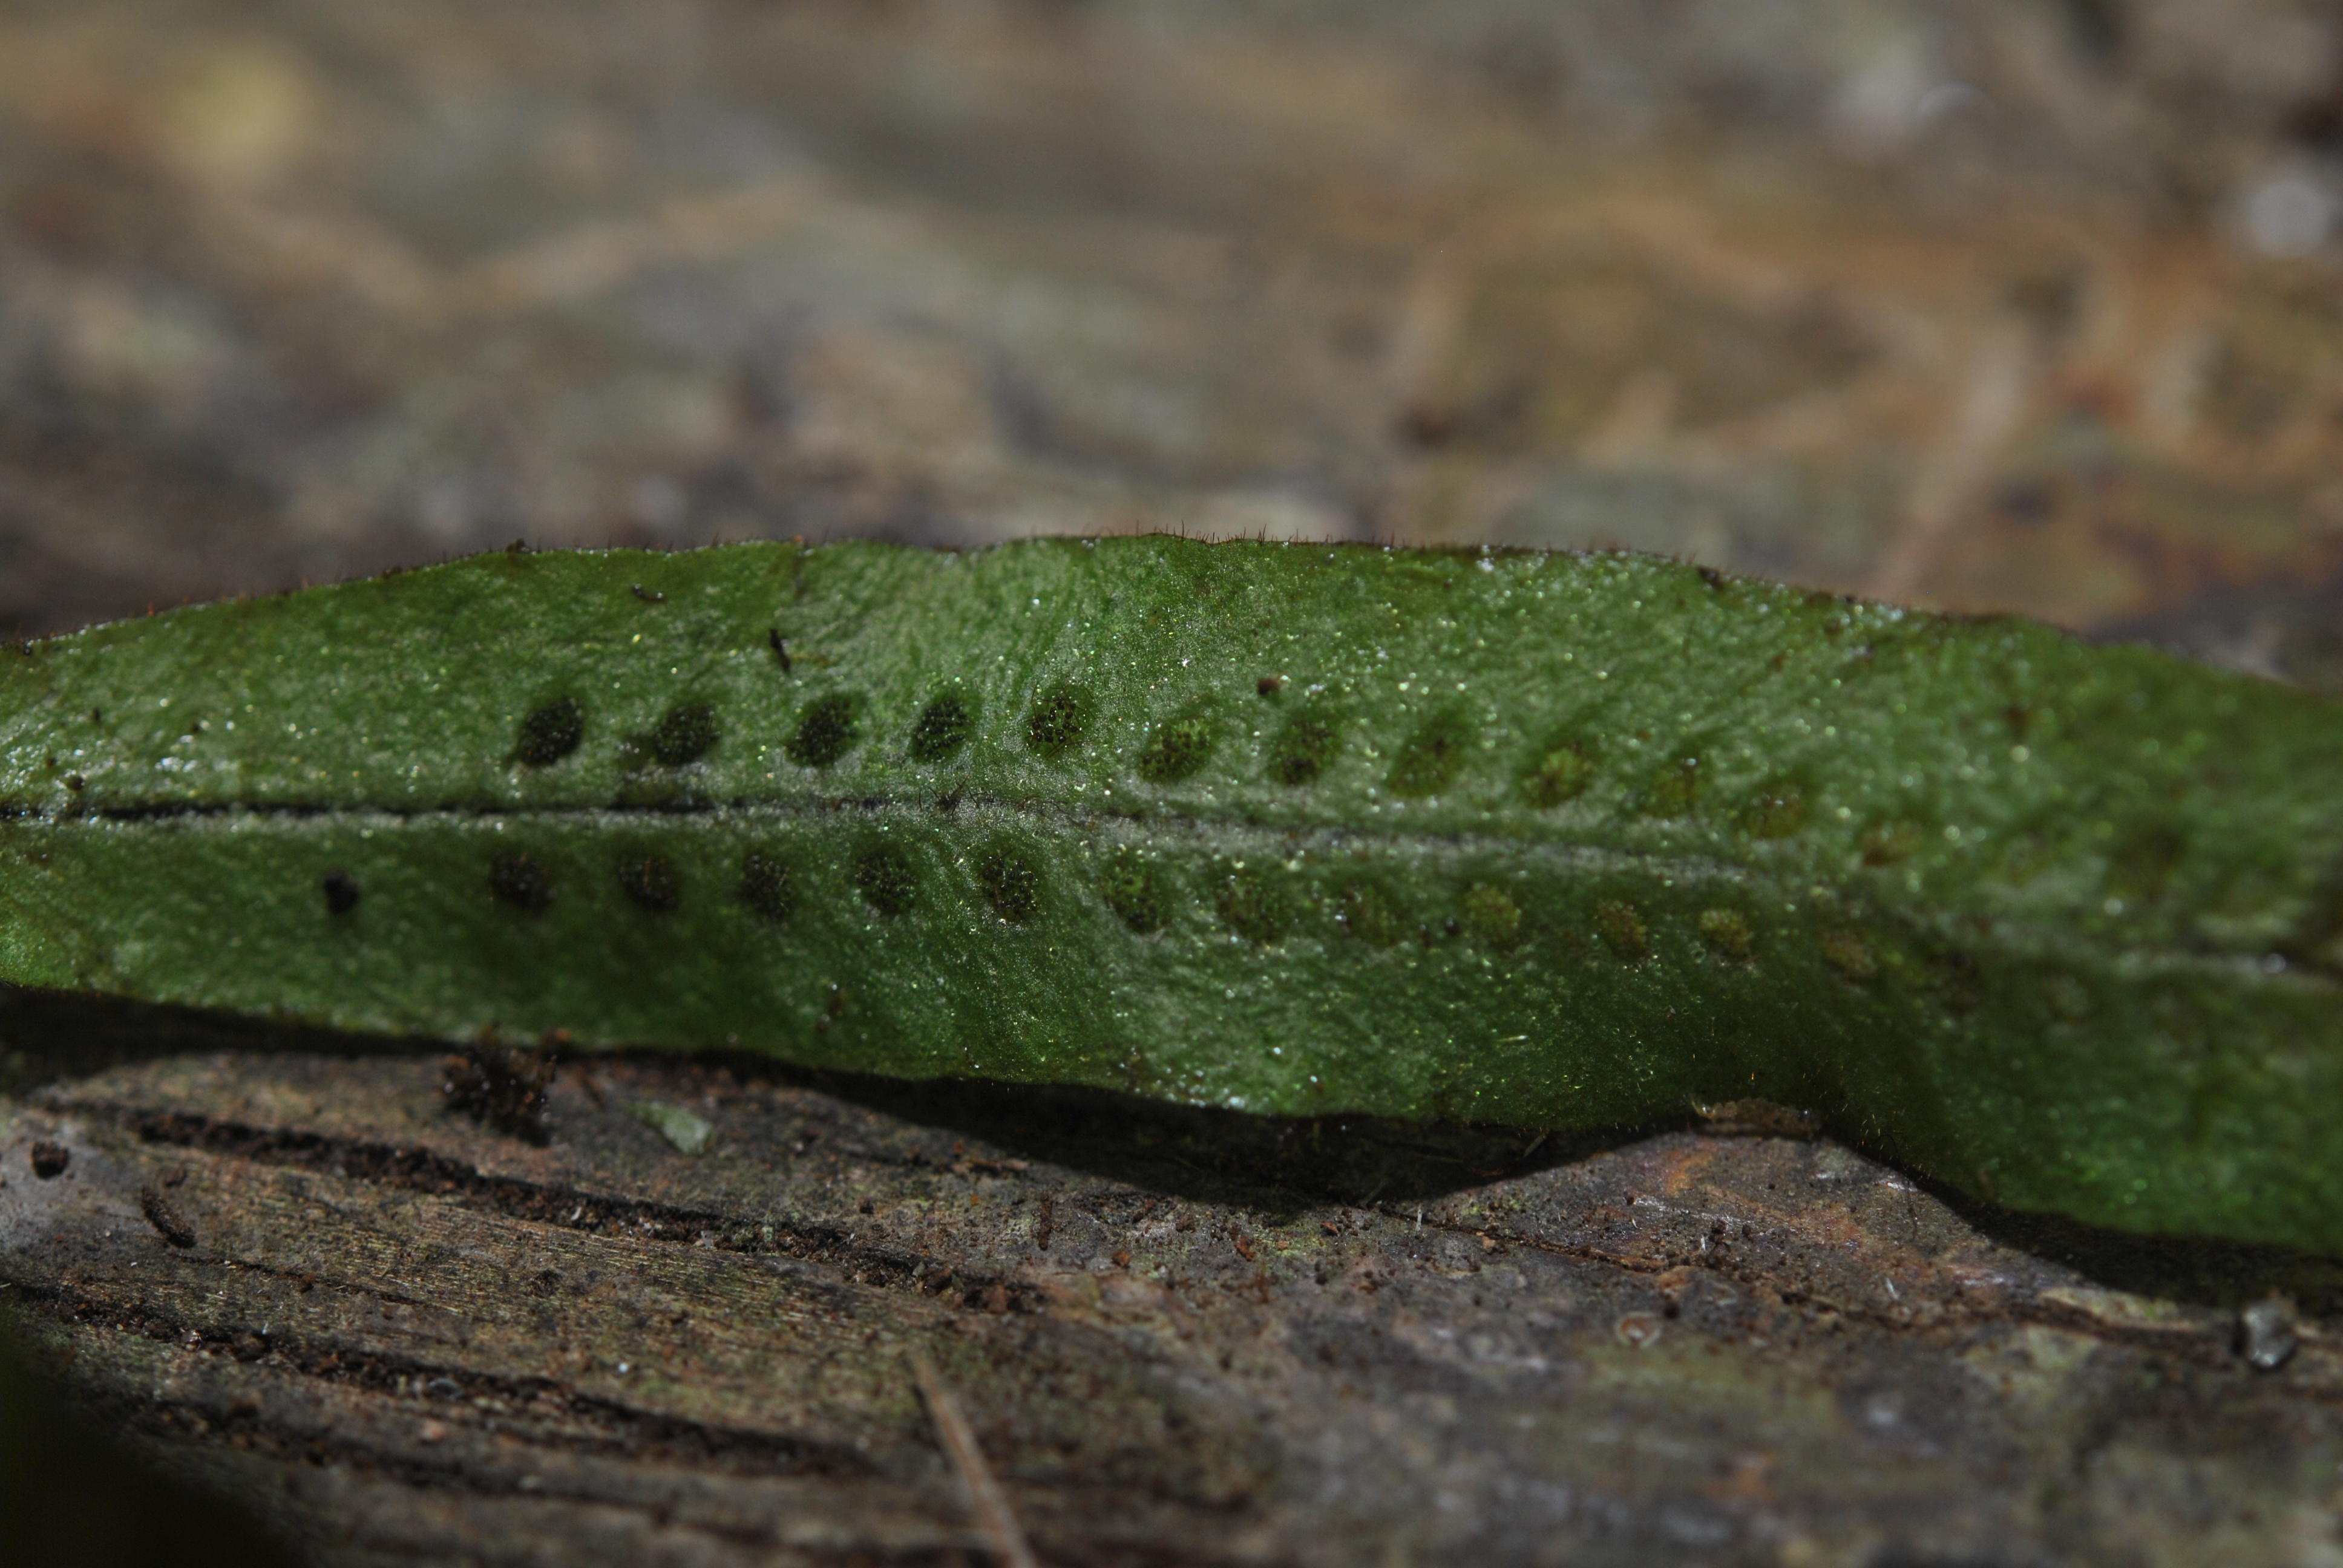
(1550, 840)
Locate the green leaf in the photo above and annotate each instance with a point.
(1549, 840)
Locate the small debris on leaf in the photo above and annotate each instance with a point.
(166, 1218)
(2265, 1334)
(1758, 1119)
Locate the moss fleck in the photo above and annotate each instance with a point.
(1673, 790)
(1253, 906)
(521, 880)
(1304, 749)
(2141, 867)
(826, 731)
(1138, 893)
(1010, 882)
(884, 874)
(1430, 759)
(765, 887)
(1060, 718)
(1884, 843)
(650, 881)
(942, 728)
(551, 733)
(1178, 749)
(684, 1133)
(1492, 916)
(1621, 927)
(1957, 982)
(688, 733)
(1728, 933)
(1845, 950)
(1561, 774)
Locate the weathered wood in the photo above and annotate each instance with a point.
(401, 1335)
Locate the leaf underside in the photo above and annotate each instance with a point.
(1550, 840)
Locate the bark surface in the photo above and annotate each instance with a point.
(310, 1281)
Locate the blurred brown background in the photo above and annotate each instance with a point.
(1989, 304)
(2027, 305)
